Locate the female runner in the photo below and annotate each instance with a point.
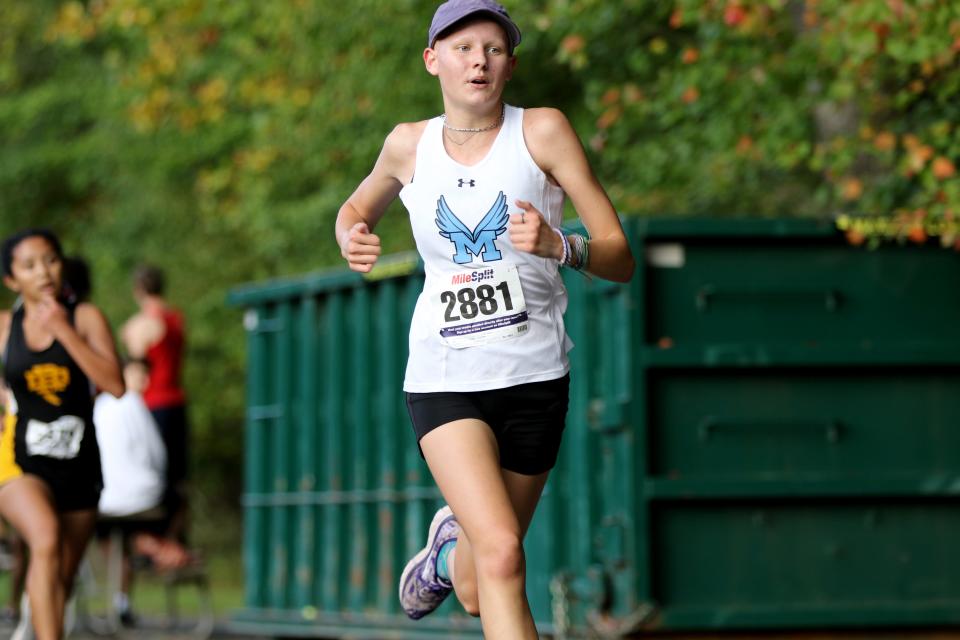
(54, 352)
(487, 376)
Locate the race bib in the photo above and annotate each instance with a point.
(59, 439)
(479, 307)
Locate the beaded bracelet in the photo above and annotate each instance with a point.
(566, 246)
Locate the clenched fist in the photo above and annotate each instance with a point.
(360, 248)
(529, 232)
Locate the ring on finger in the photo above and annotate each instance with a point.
(522, 220)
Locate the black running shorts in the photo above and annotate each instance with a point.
(76, 494)
(527, 419)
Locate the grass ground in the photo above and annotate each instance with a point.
(216, 535)
(149, 595)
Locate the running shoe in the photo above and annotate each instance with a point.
(421, 589)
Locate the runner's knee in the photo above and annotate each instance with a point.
(44, 544)
(499, 556)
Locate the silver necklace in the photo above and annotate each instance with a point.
(495, 124)
(459, 143)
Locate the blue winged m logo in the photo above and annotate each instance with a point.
(481, 240)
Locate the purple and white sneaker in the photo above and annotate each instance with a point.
(421, 589)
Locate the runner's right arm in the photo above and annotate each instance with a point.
(360, 214)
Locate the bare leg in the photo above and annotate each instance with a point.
(524, 492)
(27, 504)
(76, 528)
(464, 460)
(18, 573)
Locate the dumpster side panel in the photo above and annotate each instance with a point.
(798, 416)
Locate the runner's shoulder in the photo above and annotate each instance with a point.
(88, 310)
(89, 315)
(400, 149)
(544, 124)
(403, 140)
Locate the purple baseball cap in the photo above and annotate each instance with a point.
(453, 11)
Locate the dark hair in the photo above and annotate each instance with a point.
(149, 278)
(11, 243)
(76, 273)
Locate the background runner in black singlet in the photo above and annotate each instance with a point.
(55, 351)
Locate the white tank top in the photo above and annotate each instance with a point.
(489, 316)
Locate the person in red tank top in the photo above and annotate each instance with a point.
(156, 336)
(165, 357)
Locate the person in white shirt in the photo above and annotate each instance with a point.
(487, 379)
(133, 458)
(132, 454)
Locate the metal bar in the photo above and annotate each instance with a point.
(635, 586)
(710, 426)
(386, 395)
(706, 297)
(370, 627)
(325, 281)
(329, 498)
(804, 617)
(813, 355)
(305, 559)
(575, 510)
(254, 546)
(362, 357)
(264, 412)
(280, 453)
(805, 486)
(643, 549)
(331, 478)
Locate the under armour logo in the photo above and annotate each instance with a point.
(461, 182)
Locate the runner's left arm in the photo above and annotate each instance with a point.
(556, 148)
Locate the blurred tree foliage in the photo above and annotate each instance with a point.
(217, 138)
(843, 108)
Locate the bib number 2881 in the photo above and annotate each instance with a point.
(473, 313)
(470, 302)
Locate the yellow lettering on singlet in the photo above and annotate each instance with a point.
(47, 380)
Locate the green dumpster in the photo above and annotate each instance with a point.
(764, 433)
